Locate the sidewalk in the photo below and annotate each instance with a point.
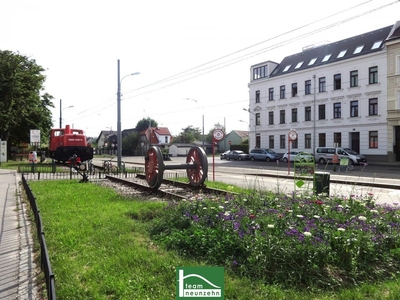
(17, 268)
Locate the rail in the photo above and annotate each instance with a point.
(44, 255)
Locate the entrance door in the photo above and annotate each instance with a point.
(396, 148)
(355, 141)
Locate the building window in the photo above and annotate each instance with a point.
(373, 75)
(373, 139)
(337, 81)
(307, 113)
(321, 112)
(282, 141)
(322, 140)
(282, 92)
(258, 121)
(307, 87)
(307, 140)
(294, 89)
(257, 96)
(373, 106)
(166, 140)
(354, 108)
(326, 57)
(342, 53)
(337, 110)
(312, 61)
(322, 85)
(294, 115)
(271, 118)
(358, 49)
(282, 117)
(353, 78)
(271, 142)
(337, 139)
(260, 72)
(271, 94)
(295, 144)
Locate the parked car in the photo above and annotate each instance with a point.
(237, 155)
(298, 156)
(325, 155)
(264, 154)
(223, 155)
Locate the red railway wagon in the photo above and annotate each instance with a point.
(65, 142)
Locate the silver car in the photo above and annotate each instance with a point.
(264, 154)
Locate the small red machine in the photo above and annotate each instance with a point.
(67, 142)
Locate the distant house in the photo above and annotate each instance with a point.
(155, 136)
(107, 142)
(235, 137)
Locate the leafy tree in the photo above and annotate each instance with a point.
(145, 123)
(22, 108)
(130, 143)
(188, 135)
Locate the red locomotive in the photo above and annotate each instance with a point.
(67, 142)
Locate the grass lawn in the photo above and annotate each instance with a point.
(105, 246)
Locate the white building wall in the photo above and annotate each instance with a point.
(346, 124)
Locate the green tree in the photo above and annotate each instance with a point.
(130, 143)
(189, 135)
(22, 107)
(145, 123)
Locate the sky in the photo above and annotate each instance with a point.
(194, 57)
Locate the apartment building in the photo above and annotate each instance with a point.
(339, 94)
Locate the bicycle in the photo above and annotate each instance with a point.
(109, 166)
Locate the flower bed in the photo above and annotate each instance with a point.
(292, 240)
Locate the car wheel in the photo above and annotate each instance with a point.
(252, 158)
(267, 159)
(321, 161)
(285, 160)
(239, 158)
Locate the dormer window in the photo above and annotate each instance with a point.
(342, 53)
(376, 45)
(312, 61)
(299, 65)
(327, 57)
(286, 68)
(358, 49)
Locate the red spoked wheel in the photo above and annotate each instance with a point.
(197, 157)
(154, 167)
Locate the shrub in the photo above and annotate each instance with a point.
(292, 240)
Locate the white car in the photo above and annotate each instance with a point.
(298, 156)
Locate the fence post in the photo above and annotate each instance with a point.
(53, 166)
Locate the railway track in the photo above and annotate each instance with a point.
(169, 189)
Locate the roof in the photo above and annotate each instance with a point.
(395, 32)
(355, 46)
(242, 134)
(152, 132)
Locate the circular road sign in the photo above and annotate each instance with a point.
(218, 135)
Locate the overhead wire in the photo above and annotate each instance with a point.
(203, 69)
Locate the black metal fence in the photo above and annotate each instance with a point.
(44, 256)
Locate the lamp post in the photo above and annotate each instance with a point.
(255, 126)
(202, 121)
(61, 110)
(119, 132)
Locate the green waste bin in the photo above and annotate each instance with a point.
(321, 182)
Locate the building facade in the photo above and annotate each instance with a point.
(332, 95)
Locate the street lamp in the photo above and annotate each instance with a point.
(119, 133)
(255, 125)
(202, 120)
(61, 110)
